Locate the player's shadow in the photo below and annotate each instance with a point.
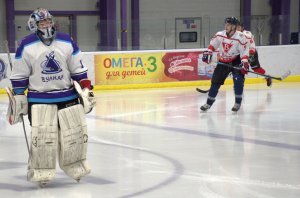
(61, 181)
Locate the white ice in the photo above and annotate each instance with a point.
(155, 143)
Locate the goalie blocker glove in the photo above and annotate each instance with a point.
(87, 98)
(17, 107)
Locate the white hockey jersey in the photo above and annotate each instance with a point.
(230, 48)
(47, 70)
(250, 40)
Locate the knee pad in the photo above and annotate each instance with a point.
(44, 137)
(73, 140)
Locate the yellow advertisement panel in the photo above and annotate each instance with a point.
(129, 68)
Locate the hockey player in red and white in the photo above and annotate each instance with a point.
(253, 55)
(46, 64)
(233, 50)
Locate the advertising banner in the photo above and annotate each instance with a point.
(129, 68)
(3, 69)
(186, 66)
(150, 67)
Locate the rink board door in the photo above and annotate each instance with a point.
(188, 32)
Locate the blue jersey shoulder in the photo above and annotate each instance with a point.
(63, 37)
(26, 41)
(67, 38)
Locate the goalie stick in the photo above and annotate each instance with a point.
(8, 54)
(10, 93)
(12, 102)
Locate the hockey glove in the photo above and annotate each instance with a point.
(17, 107)
(251, 59)
(206, 58)
(245, 67)
(87, 98)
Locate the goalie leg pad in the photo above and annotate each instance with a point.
(78, 169)
(73, 140)
(40, 175)
(44, 138)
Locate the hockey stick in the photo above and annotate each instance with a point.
(8, 54)
(284, 76)
(25, 134)
(201, 90)
(11, 66)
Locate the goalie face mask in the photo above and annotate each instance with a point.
(47, 32)
(41, 21)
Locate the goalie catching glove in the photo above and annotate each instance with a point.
(87, 98)
(17, 107)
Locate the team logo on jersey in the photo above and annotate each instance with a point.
(50, 65)
(226, 46)
(3, 69)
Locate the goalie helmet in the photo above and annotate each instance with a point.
(38, 15)
(232, 20)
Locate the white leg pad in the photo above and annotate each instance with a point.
(73, 140)
(44, 138)
(78, 169)
(40, 175)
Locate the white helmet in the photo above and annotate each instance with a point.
(39, 15)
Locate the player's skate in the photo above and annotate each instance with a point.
(236, 107)
(269, 82)
(205, 107)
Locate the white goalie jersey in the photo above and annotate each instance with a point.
(47, 70)
(230, 48)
